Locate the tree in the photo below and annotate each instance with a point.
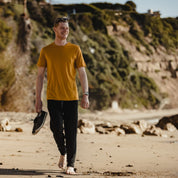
(132, 4)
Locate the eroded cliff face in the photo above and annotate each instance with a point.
(161, 65)
(21, 95)
(120, 58)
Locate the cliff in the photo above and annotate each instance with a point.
(131, 58)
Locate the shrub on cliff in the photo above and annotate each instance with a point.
(163, 31)
(7, 77)
(5, 35)
(35, 12)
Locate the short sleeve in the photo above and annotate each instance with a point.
(42, 59)
(79, 59)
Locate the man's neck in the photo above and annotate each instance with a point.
(60, 42)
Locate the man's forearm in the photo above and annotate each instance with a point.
(39, 86)
(83, 80)
(84, 84)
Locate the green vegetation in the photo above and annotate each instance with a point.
(44, 15)
(5, 35)
(163, 31)
(7, 78)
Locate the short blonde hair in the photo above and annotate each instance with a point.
(60, 19)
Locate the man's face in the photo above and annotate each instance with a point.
(62, 30)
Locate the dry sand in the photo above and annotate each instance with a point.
(24, 155)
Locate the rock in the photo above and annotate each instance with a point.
(106, 128)
(171, 69)
(170, 127)
(100, 130)
(5, 125)
(164, 135)
(129, 165)
(18, 130)
(112, 132)
(108, 125)
(131, 128)
(142, 124)
(168, 119)
(153, 131)
(119, 131)
(86, 126)
(105, 125)
(87, 130)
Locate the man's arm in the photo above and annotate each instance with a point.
(39, 86)
(84, 84)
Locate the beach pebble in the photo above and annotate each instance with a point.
(129, 165)
(18, 130)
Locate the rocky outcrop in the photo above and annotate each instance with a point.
(140, 127)
(168, 119)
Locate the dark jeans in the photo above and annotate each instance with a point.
(63, 124)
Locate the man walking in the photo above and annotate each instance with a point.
(62, 59)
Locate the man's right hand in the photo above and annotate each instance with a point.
(38, 105)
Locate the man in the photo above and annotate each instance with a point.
(62, 59)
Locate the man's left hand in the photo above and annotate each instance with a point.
(85, 102)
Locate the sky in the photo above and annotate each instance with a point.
(167, 8)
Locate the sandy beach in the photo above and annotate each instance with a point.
(24, 155)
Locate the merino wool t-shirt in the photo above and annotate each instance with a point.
(61, 63)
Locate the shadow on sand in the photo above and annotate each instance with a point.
(59, 174)
(27, 172)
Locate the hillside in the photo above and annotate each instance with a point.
(131, 58)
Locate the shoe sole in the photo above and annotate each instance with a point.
(41, 125)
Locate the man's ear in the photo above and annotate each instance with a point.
(54, 29)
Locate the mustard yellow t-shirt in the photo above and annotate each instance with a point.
(61, 63)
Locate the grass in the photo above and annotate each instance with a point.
(7, 77)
